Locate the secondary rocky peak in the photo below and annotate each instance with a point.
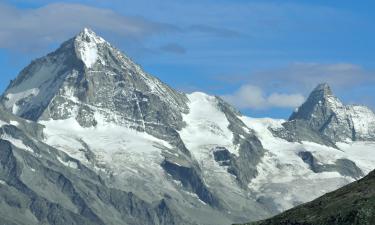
(322, 90)
(320, 101)
(320, 94)
(326, 114)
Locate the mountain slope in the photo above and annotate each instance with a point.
(353, 204)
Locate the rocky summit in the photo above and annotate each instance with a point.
(326, 120)
(88, 137)
(328, 115)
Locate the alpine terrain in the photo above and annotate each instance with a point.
(88, 137)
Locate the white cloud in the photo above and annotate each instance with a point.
(253, 97)
(285, 100)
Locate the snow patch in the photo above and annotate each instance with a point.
(70, 164)
(87, 47)
(88, 53)
(16, 142)
(14, 123)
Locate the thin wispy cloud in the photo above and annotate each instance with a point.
(302, 76)
(210, 30)
(173, 48)
(38, 27)
(30, 28)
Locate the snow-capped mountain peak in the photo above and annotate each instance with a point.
(88, 35)
(86, 75)
(86, 45)
(322, 89)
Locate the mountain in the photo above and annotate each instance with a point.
(353, 204)
(110, 144)
(103, 110)
(326, 120)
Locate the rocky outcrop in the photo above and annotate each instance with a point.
(191, 181)
(345, 167)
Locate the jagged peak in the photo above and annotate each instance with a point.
(322, 89)
(321, 96)
(323, 93)
(88, 35)
(86, 46)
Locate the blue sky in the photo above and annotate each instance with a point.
(262, 56)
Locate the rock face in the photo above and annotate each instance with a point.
(324, 119)
(343, 166)
(353, 204)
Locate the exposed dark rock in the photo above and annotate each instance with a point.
(191, 180)
(345, 167)
(298, 131)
